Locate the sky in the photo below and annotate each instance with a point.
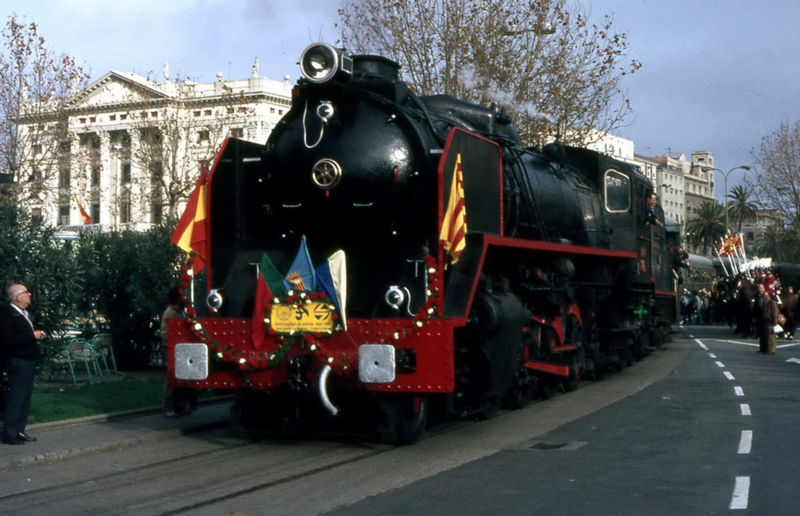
(717, 75)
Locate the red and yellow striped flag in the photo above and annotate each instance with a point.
(191, 234)
(454, 225)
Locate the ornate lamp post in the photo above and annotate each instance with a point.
(725, 175)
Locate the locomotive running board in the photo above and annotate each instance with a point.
(549, 367)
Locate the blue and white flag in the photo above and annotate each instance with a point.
(332, 278)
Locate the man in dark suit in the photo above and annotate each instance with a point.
(21, 352)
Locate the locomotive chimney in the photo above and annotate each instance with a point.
(375, 68)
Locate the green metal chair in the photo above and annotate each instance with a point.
(74, 356)
(104, 354)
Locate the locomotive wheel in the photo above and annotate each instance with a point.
(407, 417)
(490, 410)
(574, 380)
(521, 392)
(572, 335)
(547, 389)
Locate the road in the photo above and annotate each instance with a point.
(707, 426)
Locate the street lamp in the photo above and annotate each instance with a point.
(725, 175)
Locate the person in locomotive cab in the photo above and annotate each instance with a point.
(650, 217)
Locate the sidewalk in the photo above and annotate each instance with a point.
(72, 438)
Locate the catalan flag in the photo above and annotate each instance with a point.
(191, 234)
(454, 225)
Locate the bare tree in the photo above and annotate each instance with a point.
(177, 135)
(35, 83)
(776, 177)
(171, 131)
(541, 59)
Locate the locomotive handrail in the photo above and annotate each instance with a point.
(461, 291)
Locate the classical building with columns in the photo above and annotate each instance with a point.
(128, 150)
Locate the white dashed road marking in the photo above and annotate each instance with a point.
(745, 442)
(741, 492)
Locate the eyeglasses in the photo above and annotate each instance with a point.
(23, 292)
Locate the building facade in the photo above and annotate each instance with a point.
(129, 150)
(681, 185)
(754, 232)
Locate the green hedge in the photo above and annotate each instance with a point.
(112, 281)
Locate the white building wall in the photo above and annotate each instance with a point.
(104, 124)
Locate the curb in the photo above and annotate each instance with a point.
(185, 427)
(50, 458)
(117, 416)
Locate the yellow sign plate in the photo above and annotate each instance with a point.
(309, 317)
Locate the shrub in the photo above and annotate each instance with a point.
(123, 276)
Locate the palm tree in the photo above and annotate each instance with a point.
(779, 244)
(740, 208)
(707, 225)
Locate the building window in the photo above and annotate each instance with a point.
(63, 215)
(125, 206)
(125, 175)
(196, 113)
(156, 197)
(237, 132)
(94, 212)
(36, 212)
(203, 136)
(123, 116)
(112, 117)
(207, 112)
(63, 177)
(37, 149)
(92, 119)
(96, 168)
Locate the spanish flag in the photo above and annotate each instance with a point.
(454, 225)
(191, 234)
(87, 219)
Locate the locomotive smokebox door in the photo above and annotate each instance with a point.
(481, 168)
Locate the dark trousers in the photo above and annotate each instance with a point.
(21, 373)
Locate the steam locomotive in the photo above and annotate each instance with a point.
(334, 292)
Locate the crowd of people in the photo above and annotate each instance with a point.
(754, 305)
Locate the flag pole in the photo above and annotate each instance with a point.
(722, 262)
